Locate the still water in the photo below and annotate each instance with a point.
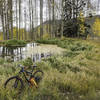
(19, 53)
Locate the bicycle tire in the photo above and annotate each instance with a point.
(17, 79)
(38, 78)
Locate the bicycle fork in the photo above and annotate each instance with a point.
(33, 82)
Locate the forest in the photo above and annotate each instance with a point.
(49, 49)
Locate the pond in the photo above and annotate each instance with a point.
(33, 50)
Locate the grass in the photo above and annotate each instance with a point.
(73, 76)
(14, 43)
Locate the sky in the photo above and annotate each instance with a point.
(96, 3)
(25, 3)
(45, 14)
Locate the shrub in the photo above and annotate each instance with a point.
(27, 62)
(15, 43)
(2, 61)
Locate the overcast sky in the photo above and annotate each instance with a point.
(25, 3)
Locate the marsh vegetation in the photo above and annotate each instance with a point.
(61, 37)
(74, 75)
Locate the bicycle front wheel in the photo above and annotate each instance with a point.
(14, 84)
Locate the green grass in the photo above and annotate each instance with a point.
(73, 76)
(14, 43)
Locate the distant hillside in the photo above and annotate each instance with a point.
(48, 27)
(93, 21)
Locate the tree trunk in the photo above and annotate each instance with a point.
(53, 18)
(25, 24)
(16, 21)
(11, 18)
(3, 25)
(49, 6)
(19, 18)
(62, 18)
(41, 19)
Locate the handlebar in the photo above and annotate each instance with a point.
(23, 70)
(20, 66)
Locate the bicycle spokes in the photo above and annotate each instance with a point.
(15, 84)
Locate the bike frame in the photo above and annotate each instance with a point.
(24, 72)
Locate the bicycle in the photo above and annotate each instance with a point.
(16, 82)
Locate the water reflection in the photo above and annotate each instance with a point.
(16, 54)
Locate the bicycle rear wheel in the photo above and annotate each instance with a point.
(14, 84)
(38, 75)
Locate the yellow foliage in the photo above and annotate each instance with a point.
(22, 33)
(1, 36)
(96, 27)
(46, 36)
(82, 20)
(15, 29)
(14, 32)
(45, 31)
(38, 31)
